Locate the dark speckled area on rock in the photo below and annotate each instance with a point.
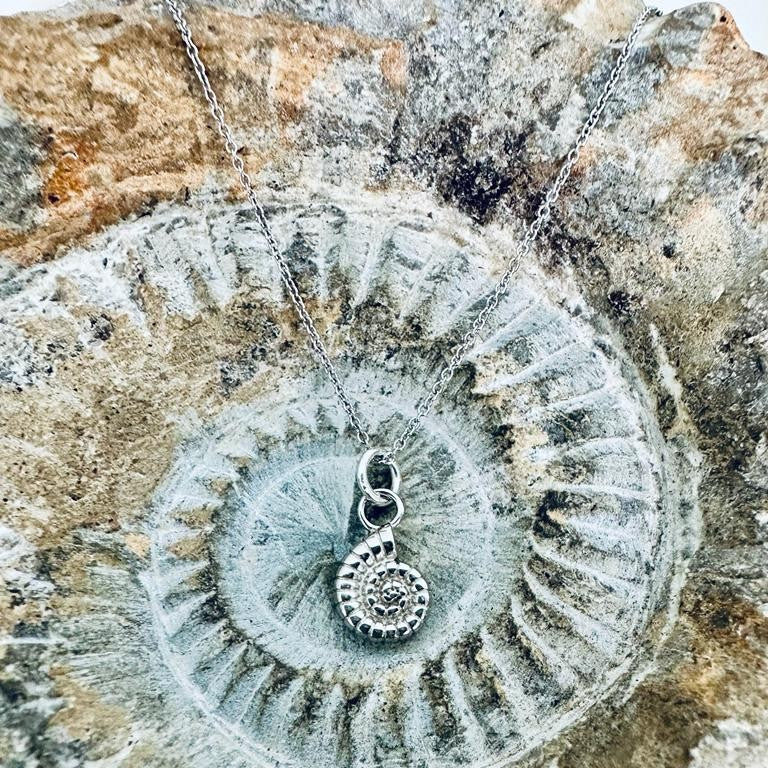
(22, 149)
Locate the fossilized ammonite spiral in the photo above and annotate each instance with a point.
(178, 480)
(544, 508)
(378, 596)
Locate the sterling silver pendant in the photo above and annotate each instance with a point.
(380, 597)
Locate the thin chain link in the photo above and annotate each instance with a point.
(315, 341)
(543, 213)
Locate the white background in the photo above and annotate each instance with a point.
(751, 15)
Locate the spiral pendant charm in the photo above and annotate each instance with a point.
(378, 596)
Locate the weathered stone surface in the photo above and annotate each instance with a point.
(589, 502)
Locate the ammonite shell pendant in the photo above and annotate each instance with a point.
(378, 596)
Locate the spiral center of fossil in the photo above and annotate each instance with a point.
(285, 527)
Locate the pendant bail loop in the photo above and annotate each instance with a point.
(377, 496)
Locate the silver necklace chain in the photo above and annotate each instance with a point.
(543, 213)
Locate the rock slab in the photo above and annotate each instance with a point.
(589, 502)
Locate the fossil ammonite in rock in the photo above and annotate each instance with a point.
(546, 512)
(177, 485)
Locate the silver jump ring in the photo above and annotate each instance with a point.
(390, 497)
(376, 495)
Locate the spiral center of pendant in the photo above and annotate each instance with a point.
(388, 598)
(393, 592)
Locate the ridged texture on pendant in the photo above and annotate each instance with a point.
(378, 596)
